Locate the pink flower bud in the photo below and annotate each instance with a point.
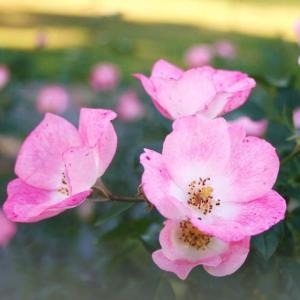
(52, 98)
(198, 56)
(225, 49)
(130, 107)
(4, 76)
(104, 77)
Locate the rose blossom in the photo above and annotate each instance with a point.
(57, 165)
(254, 128)
(4, 76)
(297, 30)
(225, 49)
(104, 77)
(185, 247)
(52, 98)
(198, 56)
(130, 107)
(7, 230)
(215, 176)
(207, 91)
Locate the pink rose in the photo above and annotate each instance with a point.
(225, 49)
(104, 77)
(254, 128)
(7, 230)
(297, 30)
(4, 76)
(184, 246)
(215, 176)
(130, 107)
(52, 98)
(57, 165)
(198, 56)
(206, 91)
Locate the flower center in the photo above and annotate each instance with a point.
(64, 186)
(193, 236)
(201, 195)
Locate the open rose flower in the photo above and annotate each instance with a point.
(215, 176)
(104, 77)
(206, 91)
(184, 246)
(57, 165)
(7, 230)
(254, 128)
(198, 56)
(52, 98)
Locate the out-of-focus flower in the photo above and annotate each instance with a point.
(130, 107)
(4, 76)
(206, 91)
(52, 98)
(57, 165)
(254, 128)
(298, 60)
(296, 118)
(104, 77)
(215, 176)
(225, 49)
(184, 247)
(198, 56)
(7, 230)
(41, 40)
(297, 30)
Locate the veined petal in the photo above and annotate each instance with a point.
(40, 162)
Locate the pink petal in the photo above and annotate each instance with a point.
(158, 187)
(7, 230)
(165, 69)
(232, 260)
(95, 128)
(29, 204)
(251, 171)
(248, 218)
(181, 268)
(253, 128)
(296, 118)
(186, 96)
(197, 147)
(81, 168)
(40, 162)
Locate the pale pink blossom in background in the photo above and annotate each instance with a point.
(184, 247)
(58, 165)
(130, 107)
(296, 118)
(297, 30)
(7, 230)
(52, 98)
(212, 174)
(298, 61)
(225, 49)
(204, 90)
(41, 40)
(198, 56)
(104, 77)
(4, 76)
(253, 128)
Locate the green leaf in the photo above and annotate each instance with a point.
(267, 243)
(116, 209)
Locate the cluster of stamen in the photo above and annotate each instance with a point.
(64, 186)
(200, 196)
(193, 236)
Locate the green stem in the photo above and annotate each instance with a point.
(291, 155)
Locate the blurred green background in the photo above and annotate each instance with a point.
(108, 256)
